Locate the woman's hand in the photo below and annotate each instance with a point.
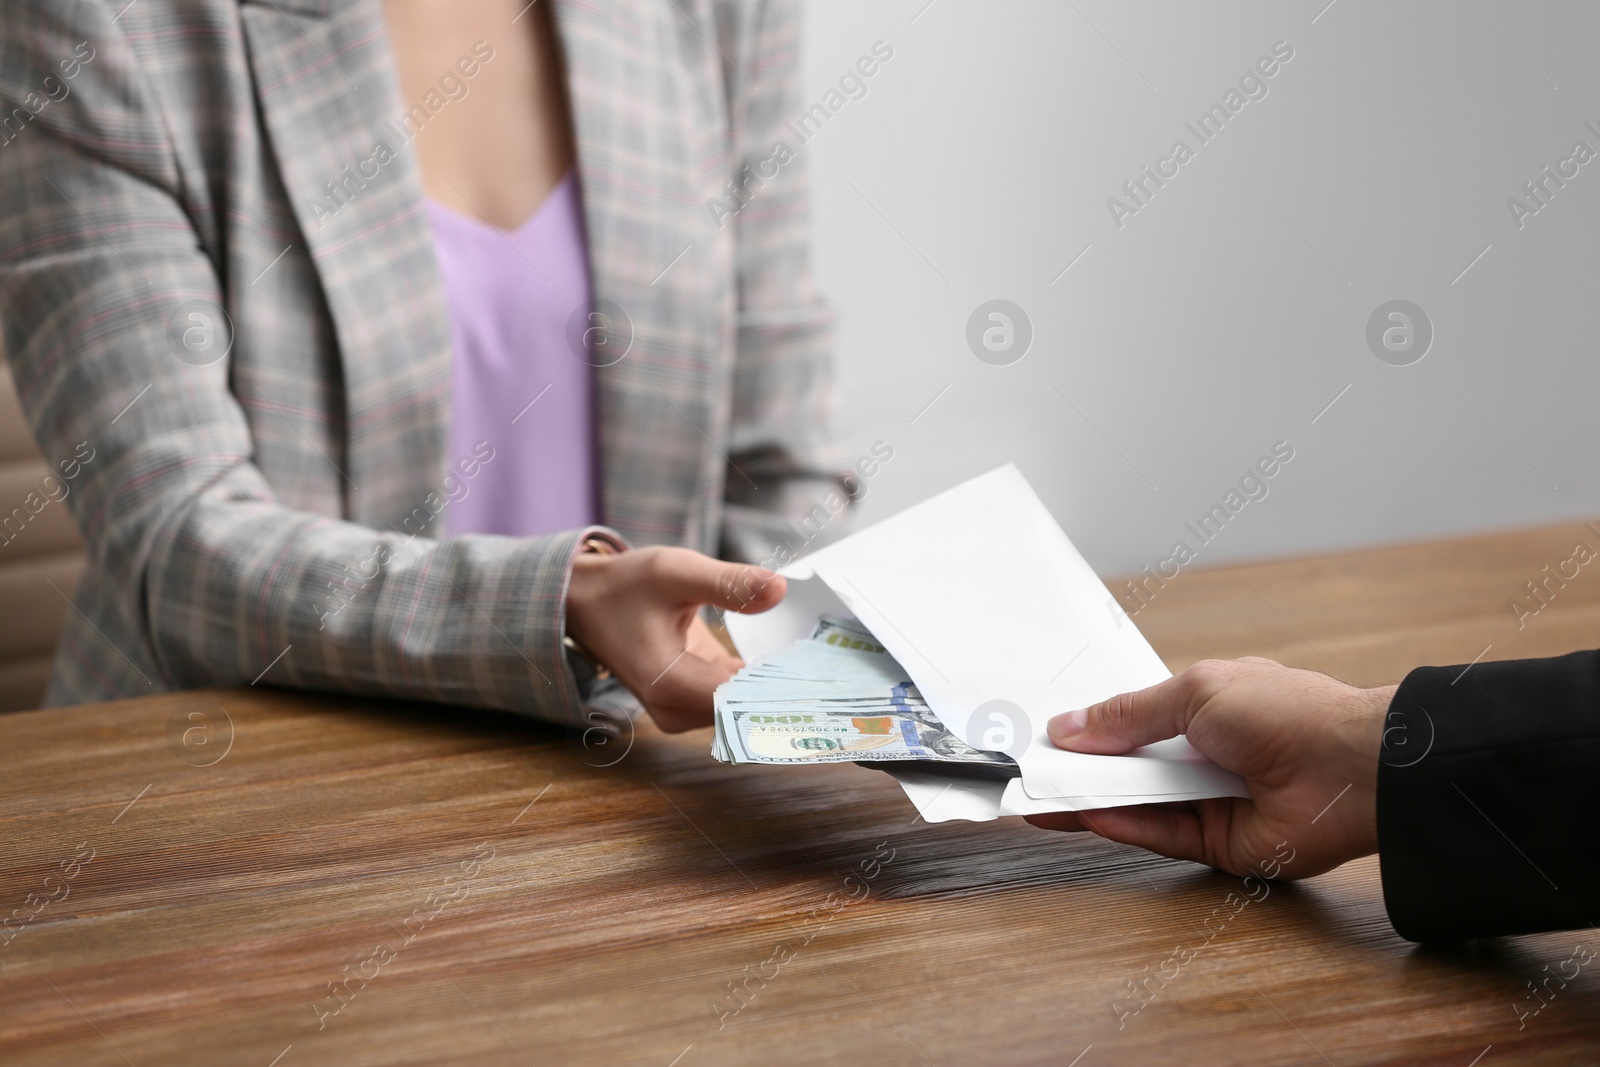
(1306, 745)
(638, 613)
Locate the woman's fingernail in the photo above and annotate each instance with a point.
(1067, 724)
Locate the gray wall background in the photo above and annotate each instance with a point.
(1232, 309)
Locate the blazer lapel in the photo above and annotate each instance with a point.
(649, 137)
(331, 105)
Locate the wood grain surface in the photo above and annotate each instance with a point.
(265, 878)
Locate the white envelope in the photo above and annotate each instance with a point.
(981, 597)
(944, 798)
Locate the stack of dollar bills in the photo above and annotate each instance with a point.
(839, 697)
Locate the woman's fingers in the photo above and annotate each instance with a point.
(687, 577)
(637, 612)
(703, 643)
(680, 694)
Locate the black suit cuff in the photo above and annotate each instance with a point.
(1487, 799)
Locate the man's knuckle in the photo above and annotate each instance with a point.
(1208, 675)
(1117, 714)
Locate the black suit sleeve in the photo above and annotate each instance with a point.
(1489, 799)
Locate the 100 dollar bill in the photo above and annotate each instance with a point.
(754, 735)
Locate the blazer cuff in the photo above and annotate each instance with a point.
(550, 667)
(1485, 799)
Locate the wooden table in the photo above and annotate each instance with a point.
(344, 882)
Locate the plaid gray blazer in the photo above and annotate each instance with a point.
(216, 271)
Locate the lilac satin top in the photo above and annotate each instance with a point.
(518, 387)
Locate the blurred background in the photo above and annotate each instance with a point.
(1175, 342)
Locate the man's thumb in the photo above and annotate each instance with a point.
(1127, 720)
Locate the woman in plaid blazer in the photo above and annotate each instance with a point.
(217, 278)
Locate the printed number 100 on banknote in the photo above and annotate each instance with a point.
(834, 737)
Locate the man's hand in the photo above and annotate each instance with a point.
(1306, 745)
(638, 613)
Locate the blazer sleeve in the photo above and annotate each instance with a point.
(202, 575)
(1487, 808)
(781, 427)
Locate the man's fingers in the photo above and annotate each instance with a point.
(1066, 821)
(1169, 830)
(696, 579)
(1129, 720)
